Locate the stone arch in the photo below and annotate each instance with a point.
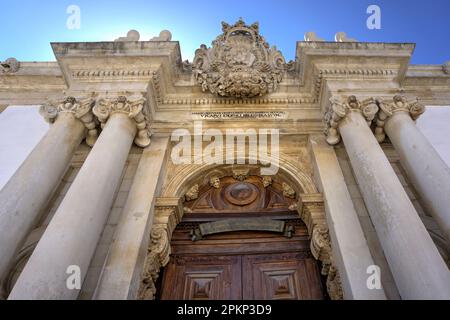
(169, 212)
(178, 185)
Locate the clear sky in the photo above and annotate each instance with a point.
(28, 27)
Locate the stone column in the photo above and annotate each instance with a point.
(25, 195)
(429, 174)
(121, 275)
(73, 233)
(418, 269)
(350, 250)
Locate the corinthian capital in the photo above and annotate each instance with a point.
(80, 108)
(399, 104)
(133, 107)
(338, 111)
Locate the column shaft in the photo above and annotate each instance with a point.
(73, 233)
(27, 192)
(427, 171)
(350, 250)
(418, 268)
(123, 269)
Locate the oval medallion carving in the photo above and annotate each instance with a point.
(241, 193)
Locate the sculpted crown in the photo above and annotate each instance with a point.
(239, 64)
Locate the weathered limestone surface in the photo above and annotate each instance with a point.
(30, 188)
(350, 249)
(75, 229)
(418, 268)
(426, 169)
(120, 279)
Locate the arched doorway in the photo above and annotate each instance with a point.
(234, 234)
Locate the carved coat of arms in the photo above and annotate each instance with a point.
(239, 64)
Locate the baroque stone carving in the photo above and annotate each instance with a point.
(267, 181)
(312, 213)
(168, 213)
(133, 107)
(400, 104)
(214, 181)
(80, 108)
(240, 174)
(288, 191)
(192, 193)
(10, 65)
(239, 64)
(338, 110)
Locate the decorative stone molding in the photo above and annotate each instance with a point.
(312, 213)
(288, 191)
(192, 193)
(400, 104)
(80, 108)
(267, 181)
(338, 110)
(10, 65)
(133, 107)
(240, 174)
(240, 63)
(168, 213)
(214, 181)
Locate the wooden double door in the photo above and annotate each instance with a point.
(242, 266)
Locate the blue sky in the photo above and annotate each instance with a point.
(28, 27)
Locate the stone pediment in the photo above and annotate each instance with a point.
(240, 63)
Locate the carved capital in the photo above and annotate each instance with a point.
(9, 66)
(80, 108)
(133, 107)
(338, 111)
(399, 105)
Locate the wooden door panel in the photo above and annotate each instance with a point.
(280, 277)
(203, 278)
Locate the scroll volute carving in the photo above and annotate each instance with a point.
(312, 212)
(241, 193)
(168, 213)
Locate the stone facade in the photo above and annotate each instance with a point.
(101, 189)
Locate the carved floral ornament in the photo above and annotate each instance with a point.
(239, 64)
